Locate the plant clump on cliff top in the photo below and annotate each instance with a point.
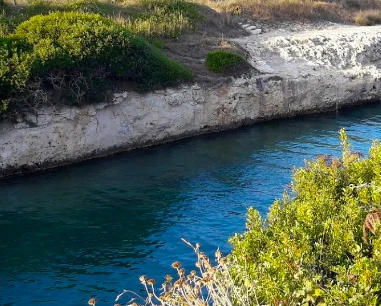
(224, 61)
(75, 54)
(320, 244)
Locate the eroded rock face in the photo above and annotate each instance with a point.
(300, 73)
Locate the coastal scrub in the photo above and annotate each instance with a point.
(75, 54)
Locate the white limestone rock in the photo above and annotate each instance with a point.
(300, 73)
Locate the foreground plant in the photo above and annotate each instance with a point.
(320, 244)
(210, 285)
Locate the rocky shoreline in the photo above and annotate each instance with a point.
(294, 72)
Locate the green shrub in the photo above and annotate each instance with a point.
(4, 26)
(88, 41)
(310, 250)
(8, 24)
(223, 61)
(82, 51)
(15, 67)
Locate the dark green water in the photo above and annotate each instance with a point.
(92, 229)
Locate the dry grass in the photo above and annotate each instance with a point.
(171, 18)
(368, 17)
(211, 285)
(293, 10)
(285, 9)
(148, 18)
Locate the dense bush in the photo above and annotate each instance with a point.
(88, 41)
(311, 250)
(223, 61)
(15, 59)
(78, 48)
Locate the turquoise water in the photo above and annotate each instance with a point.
(90, 230)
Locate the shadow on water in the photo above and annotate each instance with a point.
(93, 228)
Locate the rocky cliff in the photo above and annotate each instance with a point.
(299, 73)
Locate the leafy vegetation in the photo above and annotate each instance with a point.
(320, 244)
(147, 18)
(14, 67)
(223, 61)
(209, 285)
(311, 250)
(73, 52)
(79, 48)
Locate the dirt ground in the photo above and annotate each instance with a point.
(212, 34)
(215, 33)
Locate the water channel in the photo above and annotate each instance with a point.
(91, 229)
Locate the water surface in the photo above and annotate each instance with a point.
(93, 228)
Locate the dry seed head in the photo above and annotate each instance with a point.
(168, 278)
(151, 282)
(176, 265)
(92, 302)
(198, 264)
(222, 261)
(167, 295)
(178, 283)
(196, 291)
(181, 272)
(205, 279)
(190, 297)
(143, 278)
(198, 245)
(187, 287)
(218, 254)
(203, 255)
(207, 264)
